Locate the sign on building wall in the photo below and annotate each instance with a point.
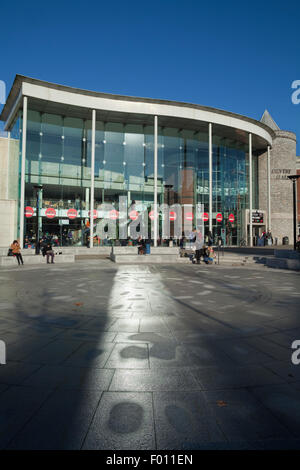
(257, 217)
(280, 173)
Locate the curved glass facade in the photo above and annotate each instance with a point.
(58, 174)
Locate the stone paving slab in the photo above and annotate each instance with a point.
(285, 369)
(17, 406)
(271, 349)
(242, 352)
(26, 347)
(153, 380)
(220, 377)
(284, 403)
(208, 353)
(165, 355)
(38, 331)
(128, 356)
(242, 417)
(70, 378)
(91, 354)
(129, 324)
(63, 428)
(14, 373)
(150, 338)
(89, 335)
(123, 421)
(186, 417)
(54, 352)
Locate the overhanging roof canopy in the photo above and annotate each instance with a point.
(129, 109)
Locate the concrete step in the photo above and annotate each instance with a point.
(91, 257)
(124, 250)
(39, 259)
(152, 258)
(80, 250)
(282, 263)
(287, 254)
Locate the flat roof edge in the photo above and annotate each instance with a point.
(19, 79)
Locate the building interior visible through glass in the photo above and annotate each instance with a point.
(58, 175)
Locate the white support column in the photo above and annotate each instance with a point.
(269, 190)
(92, 179)
(8, 153)
(250, 190)
(210, 163)
(155, 181)
(23, 160)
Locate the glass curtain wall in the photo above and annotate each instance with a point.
(230, 195)
(123, 166)
(57, 179)
(182, 168)
(58, 172)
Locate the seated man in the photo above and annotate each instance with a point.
(141, 246)
(49, 252)
(206, 253)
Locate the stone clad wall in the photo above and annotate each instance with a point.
(4, 150)
(263, 184)
(283, 163)
(8, 190)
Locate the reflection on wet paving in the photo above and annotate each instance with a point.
(125, 417)
(179, 419)
(133, 352)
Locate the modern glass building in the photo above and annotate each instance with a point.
(71, 150)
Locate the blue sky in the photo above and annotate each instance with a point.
(241, 56)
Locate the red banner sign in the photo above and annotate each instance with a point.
(133, 215)
(29, 211)
(114, 214)
(50, 213)
(72, 213)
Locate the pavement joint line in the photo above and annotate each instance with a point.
(153, 417)
(71, 354)
(275, 415)
(92, 419)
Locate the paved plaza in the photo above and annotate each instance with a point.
(101, 356)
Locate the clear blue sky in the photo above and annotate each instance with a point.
(241, 56)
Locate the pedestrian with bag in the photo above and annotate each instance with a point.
(198, 245)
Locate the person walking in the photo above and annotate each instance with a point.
(298, 243)
(198, 245)
(16, 249)
(269, 238)
(49, 252)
